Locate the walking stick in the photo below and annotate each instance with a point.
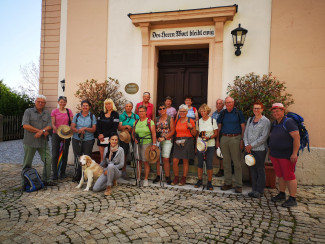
(133, 162)
(204, 182)
(161, 166)
(138, 180)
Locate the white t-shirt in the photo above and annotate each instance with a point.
(208, 127)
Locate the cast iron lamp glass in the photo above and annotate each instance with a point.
(63, 84)
(238, 38)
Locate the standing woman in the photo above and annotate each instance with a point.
(255, 137)
(145, 103)
(171, 111)
(84, 126)
(60, 116)
(108, 121)
(143, 137)
(208, 131)
(112, 163)
(184, 144)
(165, 128)
(127, 119)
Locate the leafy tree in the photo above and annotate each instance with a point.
(252, 88)
(97, 92)
(12, 102)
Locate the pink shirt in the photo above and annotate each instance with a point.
(61, 118)
(149, 110)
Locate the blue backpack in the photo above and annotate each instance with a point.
(304, 136)
(32, 180)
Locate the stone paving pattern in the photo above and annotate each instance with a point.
(64, 214)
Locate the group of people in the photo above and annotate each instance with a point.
(176, 135)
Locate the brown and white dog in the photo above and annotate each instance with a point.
(90, 170)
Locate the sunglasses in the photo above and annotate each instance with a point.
(161, 109)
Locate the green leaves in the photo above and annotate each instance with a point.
(252, 88)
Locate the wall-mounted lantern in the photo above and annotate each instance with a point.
(63, 84)
(238, 38)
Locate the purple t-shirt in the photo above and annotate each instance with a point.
(171, 112)
(281, 142)
(61, 118)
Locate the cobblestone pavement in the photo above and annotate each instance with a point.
(64, 214)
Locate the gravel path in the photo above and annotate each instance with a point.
(13, 152)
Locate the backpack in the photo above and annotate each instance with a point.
(126, 117)
(148, 124)
(91, 118)
(168, 120)
(69, 117)
(303, 133)
(198, 122)
(32, 180)
(222, 114)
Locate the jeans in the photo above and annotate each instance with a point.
(258, 171)
(230, 148)
(56, 141)
(44, 152)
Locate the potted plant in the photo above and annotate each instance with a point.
(267, 89)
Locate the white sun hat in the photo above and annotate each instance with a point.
(250, 160)
(219, 154)
(201, 145)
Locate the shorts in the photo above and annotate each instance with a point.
(284, 168)
(139, 151)
(166, 148)
(186, 151)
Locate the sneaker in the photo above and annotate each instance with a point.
(238, 189)
(50, 183)
(125, 175)
(254, 194)
(226, 187)
(291, 202)
(175, 181)
(198, 184)
(145, 183)
(156, 180)
(220, 173)
(168, 180)
(210, 186)
(279, 197)
(183, 181)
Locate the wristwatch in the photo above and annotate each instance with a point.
(44, 131)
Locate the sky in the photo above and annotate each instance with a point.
(20, 40)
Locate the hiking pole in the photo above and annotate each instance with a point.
(204, 182)
(133, 163)
(138, 181)
(161, 166)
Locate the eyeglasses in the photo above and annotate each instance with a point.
(183, 111)
(40, 102)
(161, 109)
(257, 108)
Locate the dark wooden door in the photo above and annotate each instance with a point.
(181, 73)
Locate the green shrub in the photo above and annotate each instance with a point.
(252, 88)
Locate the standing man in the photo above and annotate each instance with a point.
(284, 146)
(37, 124)
(219, 105)
(232, 127)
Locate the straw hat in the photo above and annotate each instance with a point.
(64, 131)
(219, 154)
(250, 160)
(152, 156)
(125, 136)
(201, 145)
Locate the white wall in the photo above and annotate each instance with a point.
(124, 39)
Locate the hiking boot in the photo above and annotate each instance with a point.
(220, 173)
(279, 197)
(226, 187)
(183, 181)
(156, 180)
(238, 189)
(168, 180)
(145, 183)
(50, 183)
(125, 175)
(291, 202)
(198, 184)
(108, 191)
(114, 182)
(175, 181)
(210, 186)
(254, 194)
